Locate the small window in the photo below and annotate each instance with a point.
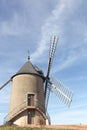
(30, 99)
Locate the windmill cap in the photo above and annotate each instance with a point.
(29, 68)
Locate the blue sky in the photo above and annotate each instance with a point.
(28, 25)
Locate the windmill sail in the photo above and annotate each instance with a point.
(5, 84)
(63, 93)
(53, 45)
(47, 95)
(34, 105)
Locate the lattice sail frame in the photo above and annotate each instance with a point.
(53, 44)
(63, 93)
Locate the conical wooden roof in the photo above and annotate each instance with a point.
(29, 68)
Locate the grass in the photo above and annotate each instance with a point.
(24, 128)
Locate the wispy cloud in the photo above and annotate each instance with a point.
(42, 47)
(48, 29)
(56, 23)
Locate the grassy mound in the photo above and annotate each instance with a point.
(24, 128)
(58, 127)
(21, 128)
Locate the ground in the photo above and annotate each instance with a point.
(51, 127)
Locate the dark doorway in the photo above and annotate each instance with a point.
(31, 114)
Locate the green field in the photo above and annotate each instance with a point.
(23, 128)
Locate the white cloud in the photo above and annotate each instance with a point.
(56, 24)
(41, 48)
(49, 28)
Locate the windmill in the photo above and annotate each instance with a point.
(31, 91)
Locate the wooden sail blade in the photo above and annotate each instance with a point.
(63, 93)
(5, 84)
(53, 45)
(47, 95)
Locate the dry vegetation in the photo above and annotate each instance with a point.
(58, 127)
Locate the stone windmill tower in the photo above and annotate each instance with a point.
(30, 93)
(27, 96)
